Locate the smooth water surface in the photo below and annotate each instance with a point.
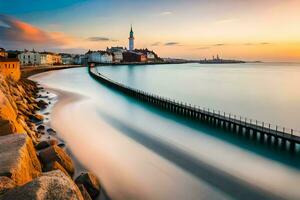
(266, 92)
(140, 152)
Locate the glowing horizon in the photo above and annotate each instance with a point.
(256, 30)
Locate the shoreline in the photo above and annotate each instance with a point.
(50, 166)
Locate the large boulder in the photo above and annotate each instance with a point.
(8, 111)
(6, 184)
(6, 127)
(55, 153)
(42, 145)
(51, 185)
(90, 182)
(36, 118)
(55, 166)
(42, 104)
(18, 159)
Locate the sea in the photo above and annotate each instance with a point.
(141, 152)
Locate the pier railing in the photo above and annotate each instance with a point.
(196, 112)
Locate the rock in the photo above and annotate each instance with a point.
(5, 184)
(42, 145)
(55, 166)
(51, 185)
(90, 183)
(18, 159)
(84, 193)
(53, 142)
(6, 127)
(61, 145)
(41, 128)
(42, 104)
(51, 131)
(45, 144)
(36, 118)
(55, 153)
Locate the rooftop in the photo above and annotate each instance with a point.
(9, 59)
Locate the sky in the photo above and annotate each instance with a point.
(266, 30)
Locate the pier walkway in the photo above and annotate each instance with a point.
(256, 130)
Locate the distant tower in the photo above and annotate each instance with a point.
(131, 40)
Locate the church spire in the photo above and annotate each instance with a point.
(131, 39)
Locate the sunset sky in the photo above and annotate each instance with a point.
(267, 30)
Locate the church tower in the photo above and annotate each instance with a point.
(131, 40)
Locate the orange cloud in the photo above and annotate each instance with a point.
(13, 30)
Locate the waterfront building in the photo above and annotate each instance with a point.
(100, 57)
(67, 59)
(3, 53)
(131, 40)
(117, 53)
(36, 58)
(79, 59)
(150, 55)
(45, 59)
(10, 67)
(56, 59)
(132, 56)
(29, 57)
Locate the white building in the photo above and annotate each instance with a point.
(150, 55)
(30, 58)
(67, 59)
(117, 53)
(36, 58)
(79, 59)
(100, 57)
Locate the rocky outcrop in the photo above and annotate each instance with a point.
(51, 185)
(21, 176)
(6, 184)
(55, 166)
(56, 154)
(17, 107)
(18, 159)
(90, 182)
(6, 127)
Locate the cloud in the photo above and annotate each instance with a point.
(156, 44)
(203, 48)
(16, 31)
(264, 43)
(171, 43)
(166, 13)
(100, 39)
(252, 44)
(218, 45)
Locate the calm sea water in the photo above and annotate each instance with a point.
(140, 152)
(266, 92)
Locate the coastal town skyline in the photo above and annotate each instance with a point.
(270, 35)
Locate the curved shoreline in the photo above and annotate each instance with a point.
(82, 131)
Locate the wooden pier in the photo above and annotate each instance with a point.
(263, 132)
